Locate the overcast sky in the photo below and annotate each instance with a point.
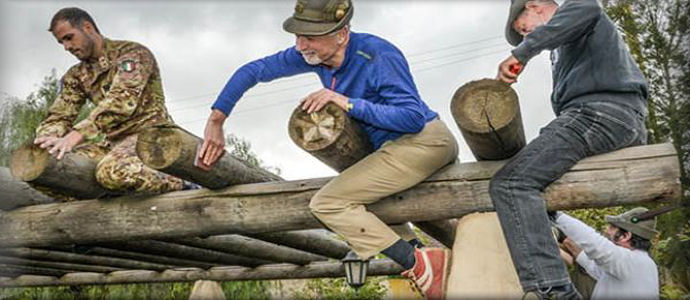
(199, 44)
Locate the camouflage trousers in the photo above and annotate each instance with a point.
(120, 169)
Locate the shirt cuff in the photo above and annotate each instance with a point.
(357, 107)
(524, 52)
(88, 129)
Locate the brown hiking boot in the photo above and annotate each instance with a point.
(429, 272)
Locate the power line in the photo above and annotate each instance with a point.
(297, 78)
(293, 100)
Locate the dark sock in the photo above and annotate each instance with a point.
(416, 243)
(402, 253)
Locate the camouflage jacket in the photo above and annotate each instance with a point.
(125, 87)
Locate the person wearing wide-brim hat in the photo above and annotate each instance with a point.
(599, 98)
(369, 78)
(620, 262)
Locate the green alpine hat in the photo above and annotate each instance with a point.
(516, 7)
(318, 17)
(643, 228)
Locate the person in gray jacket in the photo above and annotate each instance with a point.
(619, 262)
(599, 98)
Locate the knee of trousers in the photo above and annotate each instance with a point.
(114, 175)
(323, 204)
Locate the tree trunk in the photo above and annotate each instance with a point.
(628, 176)
(173, 150)
(73, 175)
(378, 267)
(335, 139)
(16, 193)
(487, 113)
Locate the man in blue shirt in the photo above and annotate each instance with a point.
(599, 98)
(370, 79)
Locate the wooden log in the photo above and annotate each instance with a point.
(143, 257)
(629, 176)
(74, 175)
(16, 270)
(441, 230)
(187, 252)
(317, 241)
(330, 135)
(335, 139)
(16, 193)
(69, 267)
(378, 267)
(60, 256)
(173, 150)
(249, 247)
(206, 290)
(488, 114)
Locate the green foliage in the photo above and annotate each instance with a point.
(19, 118)
(240, 290)
(241, 149)
(337, 289)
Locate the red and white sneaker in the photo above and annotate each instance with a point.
(429, 272)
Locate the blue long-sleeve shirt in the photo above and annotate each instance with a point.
(374, 76)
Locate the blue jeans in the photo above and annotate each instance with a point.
(516, 189)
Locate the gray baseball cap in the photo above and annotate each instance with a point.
(516, 7)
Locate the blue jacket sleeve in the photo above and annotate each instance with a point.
(572, 20)
(282, 64)
(401, 108)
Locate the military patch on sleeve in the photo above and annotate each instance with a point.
(127, 66)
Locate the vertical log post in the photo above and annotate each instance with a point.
(488, 115)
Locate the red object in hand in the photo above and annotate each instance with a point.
(515, 68)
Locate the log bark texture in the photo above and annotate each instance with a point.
(487, 113)
(335, 139)
(249, 247)
(330, 135)
(628, 176)
(137, 256)
(83, 259)
(74, 175)
(379, 267)
(173, 150)
(317, 241)
(16, 193)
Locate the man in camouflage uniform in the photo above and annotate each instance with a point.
(122, 80)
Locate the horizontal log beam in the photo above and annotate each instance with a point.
(137, 256)
(60, 256)
(187, 252)
(16, 193)
(68, 267)
(249, 247)
(632, 175)
(379, 267)
(316, 241)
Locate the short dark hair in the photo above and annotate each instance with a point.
(74, 15)
(636, 241)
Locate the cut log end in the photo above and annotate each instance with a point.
(28, 162)
(318, 130)
(159, 147)
(484, 105)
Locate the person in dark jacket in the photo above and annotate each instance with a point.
(599, 97)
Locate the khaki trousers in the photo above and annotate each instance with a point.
(396, 166)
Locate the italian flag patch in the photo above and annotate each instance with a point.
(127, 66)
